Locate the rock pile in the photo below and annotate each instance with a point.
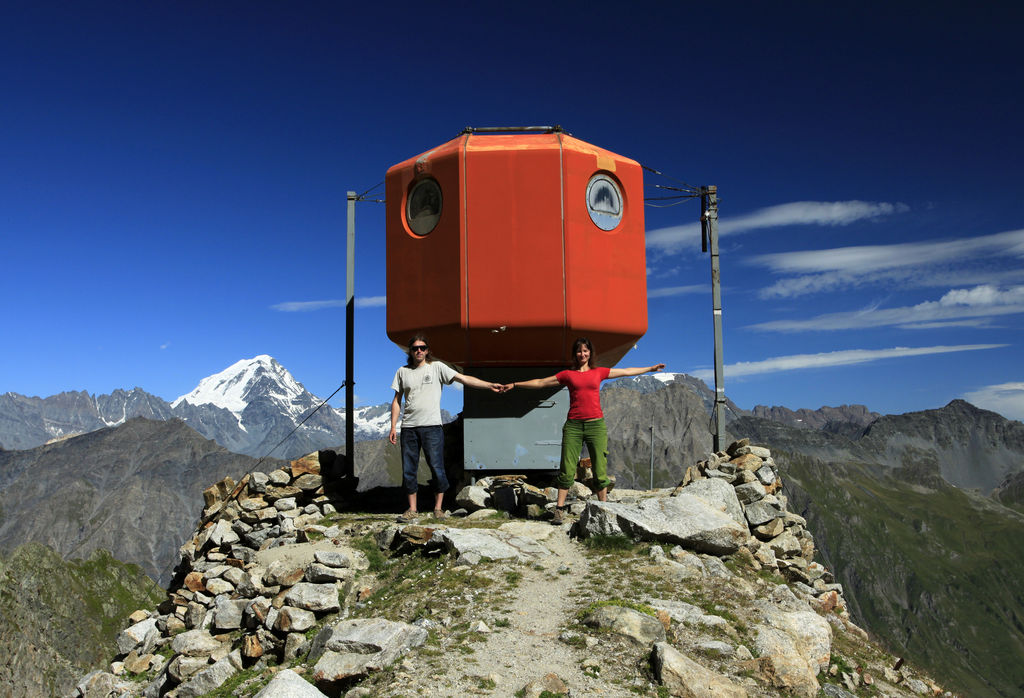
(259, 573)
(265, 580)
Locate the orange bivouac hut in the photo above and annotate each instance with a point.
(503, 246)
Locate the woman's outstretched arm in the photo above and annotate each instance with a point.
(549, 382)
(622, 372)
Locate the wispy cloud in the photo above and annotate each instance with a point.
(310, 306)
(796, 213)
(676, 291)
(959, 307)
(919, 263)
(845, 357)
(1005, 398)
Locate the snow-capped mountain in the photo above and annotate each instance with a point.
(248, 408)
(261, 379)
(253, 404)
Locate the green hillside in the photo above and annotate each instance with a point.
(933, 570)
(59, 619)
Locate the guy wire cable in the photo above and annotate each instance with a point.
(257, 464)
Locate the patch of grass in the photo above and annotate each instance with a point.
(574, 640)
(609, 543)
(486, 683)
(368, 546)
(501, 622)
(622, 603)
(227, 689)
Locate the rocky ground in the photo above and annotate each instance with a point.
(709, 590)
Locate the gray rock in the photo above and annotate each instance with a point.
(183, 667)
(635, 625)
(716, 648)
(785, 545)
(315, 572)
(353, 648)
(195, 643)
(223, 534)
(285, 504)
(258, 482)
(308, 482)
(688, 520)
(799, 644)
(227, 613)
(294, 620)
(750, 492)
(473, 497)
(685, 677)
(758, 451)
(720, 494)
(766, 475)
(101, 684)
(492, 544)
(135, 636)
(207, 680)
(288, 684)
(218, 586)
(688, 614)
(332, 558)
(760, 512)
(313, 597)
(294, 645)
(279, 477)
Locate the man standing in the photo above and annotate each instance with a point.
(420, 381)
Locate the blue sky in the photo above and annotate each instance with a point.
(172, 188)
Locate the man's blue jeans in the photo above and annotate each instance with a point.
(431, 440)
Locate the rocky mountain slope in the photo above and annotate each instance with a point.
(59, 617)
(134, 490)
(280, 593)
(247, 408)
(970, 447)
(926, 566)
(827, 418)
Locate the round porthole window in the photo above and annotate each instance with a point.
(604, 202)
(423, 209)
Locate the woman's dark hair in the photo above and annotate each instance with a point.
(409, 357)
(583, 341)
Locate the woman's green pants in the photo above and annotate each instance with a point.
(576, 432)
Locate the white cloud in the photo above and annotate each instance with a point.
(920, 263)
(956, 307)
(309, 306)
(371, 301)
(845, 357)
(796, 213)
(676, 291)
(1005, 398)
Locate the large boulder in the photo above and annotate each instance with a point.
(353, 648)
(690, 521)
(684, 677)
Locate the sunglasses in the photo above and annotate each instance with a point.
(419, 347)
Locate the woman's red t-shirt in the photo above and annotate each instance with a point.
(584, 391)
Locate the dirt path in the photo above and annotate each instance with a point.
(528, 648)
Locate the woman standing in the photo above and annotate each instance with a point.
(585, 421)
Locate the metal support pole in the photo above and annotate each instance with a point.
(709, 230)
(350, 304)
(652, 456)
